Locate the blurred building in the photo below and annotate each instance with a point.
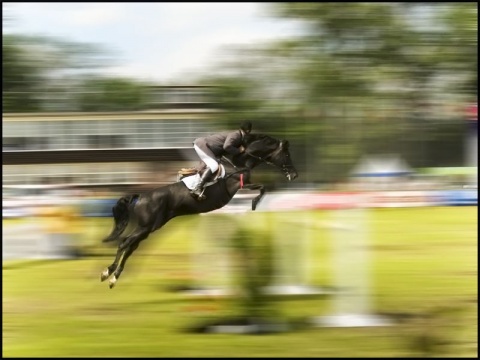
(106, 148)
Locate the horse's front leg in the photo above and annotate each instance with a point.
(258, 197)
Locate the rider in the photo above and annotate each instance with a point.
(211, 148)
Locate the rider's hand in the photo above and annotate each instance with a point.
(241, 148)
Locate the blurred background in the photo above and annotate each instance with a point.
(365, 80)
(373, 97)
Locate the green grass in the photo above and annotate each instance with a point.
(423, 265)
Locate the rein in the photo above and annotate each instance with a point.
(236, 172)
(265, 158)
(262, 159)
(274, 153)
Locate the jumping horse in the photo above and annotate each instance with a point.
(153, 209)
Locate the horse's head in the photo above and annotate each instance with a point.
(266, 149)
(281, 158)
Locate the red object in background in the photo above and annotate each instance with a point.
(472, 112)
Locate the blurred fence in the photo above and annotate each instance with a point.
(30, 227)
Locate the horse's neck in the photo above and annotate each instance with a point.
(258, 154)
(264, 139)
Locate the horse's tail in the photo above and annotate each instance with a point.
(121, 216)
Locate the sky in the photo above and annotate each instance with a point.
(152, 41)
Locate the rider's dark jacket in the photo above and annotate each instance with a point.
(222, 143)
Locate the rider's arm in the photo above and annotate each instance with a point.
(233, 143)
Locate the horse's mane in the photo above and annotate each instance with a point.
(256, 143)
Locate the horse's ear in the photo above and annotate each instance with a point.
(285, 144)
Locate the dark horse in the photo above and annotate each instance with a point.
(155, 208)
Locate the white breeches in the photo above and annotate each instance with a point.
(211, 163)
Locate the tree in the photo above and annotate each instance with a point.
(461, 36)
(21, 78)
(362, 78)
(386, 66)
(112, 94)
(43, 73)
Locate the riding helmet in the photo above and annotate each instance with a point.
(246, 126)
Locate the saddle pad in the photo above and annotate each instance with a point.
(192, 180)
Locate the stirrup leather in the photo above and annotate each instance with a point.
(200, 188)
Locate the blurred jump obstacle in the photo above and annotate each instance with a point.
(45, 232)
(211, 251)
(349, 233)
(291, 252)
(352, 302)
(24, 239)
(345, 227)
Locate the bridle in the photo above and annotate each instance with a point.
(284, 168)
(273, 154)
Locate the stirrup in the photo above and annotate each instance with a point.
(198, 194)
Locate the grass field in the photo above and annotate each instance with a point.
(423, 265)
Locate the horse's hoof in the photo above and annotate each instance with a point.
(112, 282)
(105, 275)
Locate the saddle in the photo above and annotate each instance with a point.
(194, 173)
(184, 172)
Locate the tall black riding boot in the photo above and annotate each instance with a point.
(197, 192)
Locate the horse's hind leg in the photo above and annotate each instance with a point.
(110, 269)
(127, 247)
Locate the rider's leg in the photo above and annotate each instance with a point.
(197, 191)
(212, 165)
